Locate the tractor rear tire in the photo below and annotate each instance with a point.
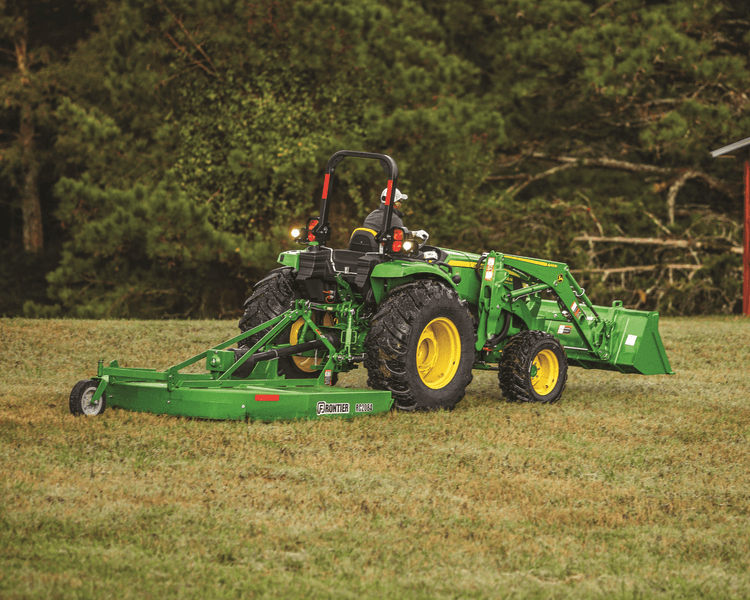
(273, 295)
(533, 368)
(420, 346)
(80, 399)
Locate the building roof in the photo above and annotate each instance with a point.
(731, 148)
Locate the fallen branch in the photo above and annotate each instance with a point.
(606, 163)
(569, 162)
(638, 269)
(514, 189)
(694, 244)
(673, 189)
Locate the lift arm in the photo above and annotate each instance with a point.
(497, 298)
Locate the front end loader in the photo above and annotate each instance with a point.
(419, 318)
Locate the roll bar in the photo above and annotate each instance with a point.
(322, 230)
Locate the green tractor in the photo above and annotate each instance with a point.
(422, 318)
(418, 317)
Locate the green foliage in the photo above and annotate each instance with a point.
(142, 251)
(256, 140)
(485, 105)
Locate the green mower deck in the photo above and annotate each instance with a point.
(221, 393)
(293, 399)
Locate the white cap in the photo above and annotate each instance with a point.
(397, 197)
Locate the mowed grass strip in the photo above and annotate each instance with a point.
(629, 487)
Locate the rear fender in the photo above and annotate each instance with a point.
(388, 276)
(289, 259)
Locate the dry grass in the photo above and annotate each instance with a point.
(630, 487)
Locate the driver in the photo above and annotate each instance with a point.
(376, 218)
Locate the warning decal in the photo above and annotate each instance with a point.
(490, 269)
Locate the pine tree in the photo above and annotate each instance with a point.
(610, 109)
(35, 35)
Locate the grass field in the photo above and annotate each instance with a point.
(630, 487)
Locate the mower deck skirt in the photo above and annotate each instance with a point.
(265, 402)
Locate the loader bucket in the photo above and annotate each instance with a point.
(635, 345)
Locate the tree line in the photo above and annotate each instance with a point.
(155, 154)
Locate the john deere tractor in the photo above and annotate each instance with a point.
(422, 318)
(419, 318)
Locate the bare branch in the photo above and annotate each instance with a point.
(190, 68)
(713, 183)
(569, 162)
(659, 224)
(606, 163)
(192, 41)
(187, 54)
(593, 216)
(513, 190)
(638, 269)
(505, 177)
(216, 193)
(603, 7)
(672, 195)
(691, 244)
(682, 180)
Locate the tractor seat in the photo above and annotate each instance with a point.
(363, 240)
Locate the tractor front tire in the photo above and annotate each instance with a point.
(533, 368)
(80, 399)
(420, 346)
(273, 295)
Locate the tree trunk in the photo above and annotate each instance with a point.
(31, 206)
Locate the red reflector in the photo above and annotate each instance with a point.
(266, 397)
(397, 246)
(325, 186)
(388, 193)
(398, 234)
(310, 226)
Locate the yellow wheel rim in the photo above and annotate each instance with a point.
(306, 363)
(545, 371)
(438, 353)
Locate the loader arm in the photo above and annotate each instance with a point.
(611, 338)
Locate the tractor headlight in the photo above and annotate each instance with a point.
(408, 246)
(295, 233)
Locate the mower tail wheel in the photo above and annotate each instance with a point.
(80, 399)
(533, 368)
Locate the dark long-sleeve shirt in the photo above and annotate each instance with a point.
(376, 218)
